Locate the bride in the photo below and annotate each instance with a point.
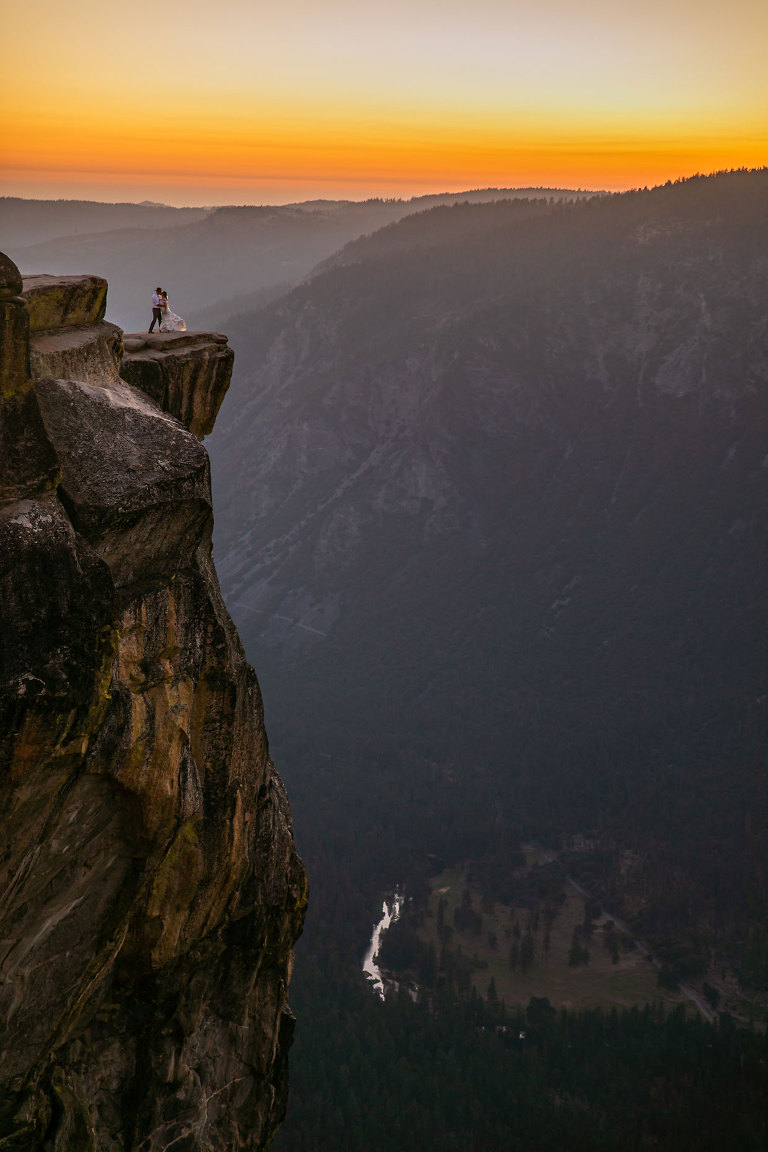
(170, 322)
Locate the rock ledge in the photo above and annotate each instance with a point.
(186, 373)
(152, 891)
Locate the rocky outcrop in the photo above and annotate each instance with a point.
(151, 889)
(69, 336)
(64, 301)
(136, 483)
(186, 373)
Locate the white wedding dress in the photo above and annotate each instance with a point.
(171, 322)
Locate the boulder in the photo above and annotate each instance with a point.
(11, 282)
(136, 483)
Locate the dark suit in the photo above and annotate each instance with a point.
(157, 317)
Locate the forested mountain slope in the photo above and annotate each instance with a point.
(490, 508)
(216, 257)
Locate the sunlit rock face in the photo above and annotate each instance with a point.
(152, 892)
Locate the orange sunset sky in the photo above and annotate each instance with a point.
(243, 102)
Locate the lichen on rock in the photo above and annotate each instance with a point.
(55, 302)
(152, 893)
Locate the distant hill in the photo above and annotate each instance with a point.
(490, 515)
(25, 222)
(206, 258)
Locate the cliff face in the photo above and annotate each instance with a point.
(151, 890)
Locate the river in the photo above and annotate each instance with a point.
(390, 910)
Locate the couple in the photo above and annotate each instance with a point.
(162, 315)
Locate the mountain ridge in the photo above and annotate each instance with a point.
(206, 255)
(492, 500)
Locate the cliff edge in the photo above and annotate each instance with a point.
(151, 891)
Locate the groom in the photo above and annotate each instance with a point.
(157, 311)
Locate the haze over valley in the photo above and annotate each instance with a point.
(489, 515)
(216, 262)
(489, 493)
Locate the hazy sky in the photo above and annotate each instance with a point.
(196, 102)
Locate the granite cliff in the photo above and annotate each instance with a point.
(151, 891)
